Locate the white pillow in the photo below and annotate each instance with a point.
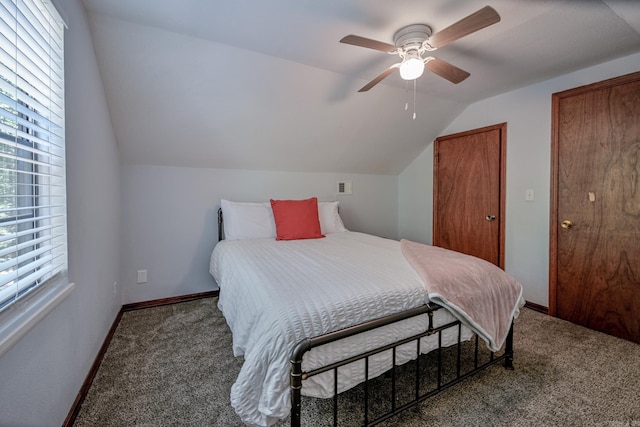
(330, 221)
(245, 220)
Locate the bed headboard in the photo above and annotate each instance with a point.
(220, 229)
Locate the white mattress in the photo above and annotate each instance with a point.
(275, 293)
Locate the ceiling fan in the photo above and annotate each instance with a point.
(413, 41)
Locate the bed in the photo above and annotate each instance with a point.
(282, 297)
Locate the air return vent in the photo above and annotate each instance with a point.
(344, 187)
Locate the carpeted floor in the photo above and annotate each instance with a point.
(173, 365)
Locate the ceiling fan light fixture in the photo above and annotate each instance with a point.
(411, 42)
(411, 68)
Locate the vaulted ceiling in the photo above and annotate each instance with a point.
(266, 85)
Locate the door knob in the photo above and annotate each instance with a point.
(490, 217)
(566, 224)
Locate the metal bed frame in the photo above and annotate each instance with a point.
(297, 375)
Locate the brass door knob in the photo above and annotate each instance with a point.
(566, 224)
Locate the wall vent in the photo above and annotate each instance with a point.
(344, 187)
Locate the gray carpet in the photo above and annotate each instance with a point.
(173, 365)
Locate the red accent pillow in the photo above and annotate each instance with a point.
(296, 219)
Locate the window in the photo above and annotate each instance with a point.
(33, 241)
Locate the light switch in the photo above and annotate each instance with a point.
(142, 276)
(345, 187)
(529, 195)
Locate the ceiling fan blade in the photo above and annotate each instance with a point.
(368, 43)
(472, 23)
(446, 70)
(386, 73)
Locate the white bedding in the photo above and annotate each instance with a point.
(275, 293)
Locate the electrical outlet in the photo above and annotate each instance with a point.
(142, 276)
(529, 195)
(115, 288)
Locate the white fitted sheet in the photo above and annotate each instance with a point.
(275, 293)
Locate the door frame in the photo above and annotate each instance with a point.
(554, 220)
(502, 128)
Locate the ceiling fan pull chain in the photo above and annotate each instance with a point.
(414, 99)
(406, 95)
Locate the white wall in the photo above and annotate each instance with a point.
(527, 112)
(42, 374)
(415, 198)
(170, 217)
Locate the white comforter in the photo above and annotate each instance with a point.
(275, 293)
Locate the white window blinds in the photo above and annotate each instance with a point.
(33, 242)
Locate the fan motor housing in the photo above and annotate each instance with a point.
(412, 35)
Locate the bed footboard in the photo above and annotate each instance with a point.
(297, 375)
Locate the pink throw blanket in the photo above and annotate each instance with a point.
(480, 294)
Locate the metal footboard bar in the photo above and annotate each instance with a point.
(298, 375)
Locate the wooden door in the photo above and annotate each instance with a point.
(468, 194)
(595, 207)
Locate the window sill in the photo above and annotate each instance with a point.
(24, 315)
